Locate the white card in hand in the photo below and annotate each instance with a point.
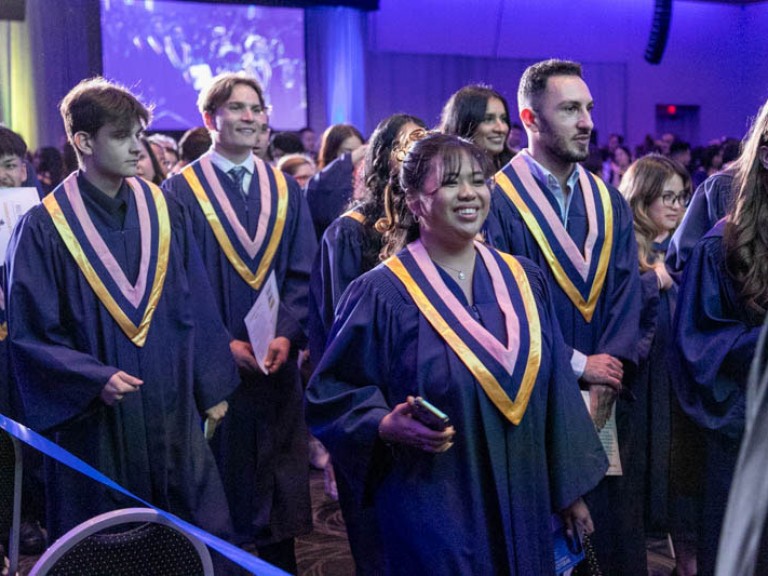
(261, 320)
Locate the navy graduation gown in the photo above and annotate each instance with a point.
(261, 446)
(482, 507)
(614, 325)
(329, 191)
(339, 260)
(5, 377)
(65, 346)
(613, 329)
(715, 336)
(711, 201)
(654, 397)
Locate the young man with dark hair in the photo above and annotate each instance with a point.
(548, 208)
(115, 343)
(251, 222)
(13, 170)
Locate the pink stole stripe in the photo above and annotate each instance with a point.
(251, 247)
(506, 356)
(580, 263)
(133, 294)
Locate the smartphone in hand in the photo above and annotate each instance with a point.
(429, 415)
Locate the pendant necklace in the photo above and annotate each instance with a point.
(460, 273)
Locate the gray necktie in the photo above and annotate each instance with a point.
(238, 175)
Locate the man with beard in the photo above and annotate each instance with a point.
(548, 208)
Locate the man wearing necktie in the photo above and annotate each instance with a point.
(251, 221)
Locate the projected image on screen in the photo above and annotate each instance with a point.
(166, 51)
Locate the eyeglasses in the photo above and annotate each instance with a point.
(669, 199)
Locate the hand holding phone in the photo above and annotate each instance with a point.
(429, 415)
(412, 423)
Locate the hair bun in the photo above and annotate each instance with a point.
(404, 144)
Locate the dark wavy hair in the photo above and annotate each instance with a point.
(465, 111)
(420, 154)
(377, 169)
(333, 138)
(746, 229)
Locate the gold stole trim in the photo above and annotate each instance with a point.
(586, 307)
(137, 334)
(512, 410)
(3, 331)
(356, 216)
(253, 280)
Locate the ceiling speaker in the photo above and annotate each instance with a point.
(657, 41)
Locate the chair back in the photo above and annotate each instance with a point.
(132, 541)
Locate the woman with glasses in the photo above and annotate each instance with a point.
(657, 189)
(721, 307)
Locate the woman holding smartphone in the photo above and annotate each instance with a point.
(472, 331)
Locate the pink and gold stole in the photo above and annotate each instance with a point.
(81, 238)
(210, 195)
(549, 232)
(441, 309)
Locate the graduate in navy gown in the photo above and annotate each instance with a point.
(721, 307)
(349, 247)
(657, 189)
(743, 548)
(331, 189)
(473, 332)
(548, 208)
(115, 346)
(251, 222)
(352, 243)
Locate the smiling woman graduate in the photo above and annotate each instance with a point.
(473, 331)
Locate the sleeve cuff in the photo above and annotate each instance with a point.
(578, 363)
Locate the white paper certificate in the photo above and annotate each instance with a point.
(14, 202)
(609, 437)
(261, 320)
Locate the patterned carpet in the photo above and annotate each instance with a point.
(325, 552)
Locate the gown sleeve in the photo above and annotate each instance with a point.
(216, 375)
(337, 264)
(347, 397)
(714, 342)
(56, 382)
(294, 292)
(620, 329)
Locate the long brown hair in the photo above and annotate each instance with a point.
(642, 184)
(331, 142)
(746, 229)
